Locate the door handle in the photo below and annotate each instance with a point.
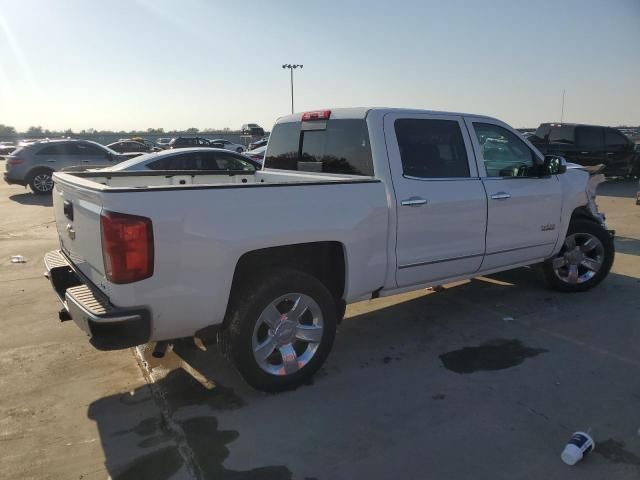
(86, 161)
(585, 153)
(413, 202)
(501, 196)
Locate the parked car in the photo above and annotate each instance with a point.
(198, 158)
(6, 148)
(352, 204)
(35, 163)
(227, 145)
(258, 143)
(163, 142)
(588, 145)
(187, 142)
(125, 146)
(257, 154)
(252, 129)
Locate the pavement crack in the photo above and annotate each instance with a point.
(174, 430)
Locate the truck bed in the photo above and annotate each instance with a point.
(203, 222)
(152, 179)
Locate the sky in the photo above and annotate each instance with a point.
(138, 64)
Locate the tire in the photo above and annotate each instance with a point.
(584, 260)
(239, 150)
(250, 329)
(40, 181)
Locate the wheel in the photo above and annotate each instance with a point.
(41, 182)
(584, 260)
(239, 150)
(281, 330)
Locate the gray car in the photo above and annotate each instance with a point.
(33, 164)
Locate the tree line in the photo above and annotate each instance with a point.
(38, 131)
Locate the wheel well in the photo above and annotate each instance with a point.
(583, 212)
(323, 260)
(31, 173)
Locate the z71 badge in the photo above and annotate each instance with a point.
(548, 226)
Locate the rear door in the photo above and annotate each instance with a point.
(440, 200)
(523, 208)
(88, 154)
(590, 145)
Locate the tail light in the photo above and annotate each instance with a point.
(127, 247)
(14, 160)
(316, 115)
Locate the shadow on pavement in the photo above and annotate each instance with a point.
(619, 187)
(630, 246)
(352, 408)
(29, 198)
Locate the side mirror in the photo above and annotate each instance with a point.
(554, 165)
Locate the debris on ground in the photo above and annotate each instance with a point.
(18, 259)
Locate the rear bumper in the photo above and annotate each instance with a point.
(109, 327)
(13, 181)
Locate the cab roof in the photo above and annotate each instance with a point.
(362, 112)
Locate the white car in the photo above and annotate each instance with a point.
(351, 204)
(227, 145)
(193, 159)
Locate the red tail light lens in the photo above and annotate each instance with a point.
(14, 160)
(127, 247)
(316, 115)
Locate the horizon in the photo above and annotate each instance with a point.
(202, 64)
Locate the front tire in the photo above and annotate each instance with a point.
(41, 182)
(280, 329)
(584, 260)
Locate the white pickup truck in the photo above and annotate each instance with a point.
(351, 204)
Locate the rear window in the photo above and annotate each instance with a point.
(562, 135)
(341, 147)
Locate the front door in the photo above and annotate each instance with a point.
(523, 208)
(441, 205)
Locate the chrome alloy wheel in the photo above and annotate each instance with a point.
(287, 334)
(580, 259)
(43, 182)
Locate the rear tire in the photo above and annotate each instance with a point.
(584, 260)
(40, 181)
(239, 150)
(280, 329)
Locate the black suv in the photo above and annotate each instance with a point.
(186, 142)
(588, 145)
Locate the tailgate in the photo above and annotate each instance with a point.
(77, 213)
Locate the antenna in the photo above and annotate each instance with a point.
(562, 111)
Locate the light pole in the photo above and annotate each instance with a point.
(291, 68)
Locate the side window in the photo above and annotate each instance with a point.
(87, 150)
(228, 161)
(590, 136)
(504, 154)
(51, 150)
(615, 139)
(431, 148)
(183, 161)
(562, 135)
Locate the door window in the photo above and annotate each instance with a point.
(431, 148)
(589, 136)
(228, 161)
(86, 150)
(615, 139)
(504, 154)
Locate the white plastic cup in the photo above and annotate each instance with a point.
(578, 446)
